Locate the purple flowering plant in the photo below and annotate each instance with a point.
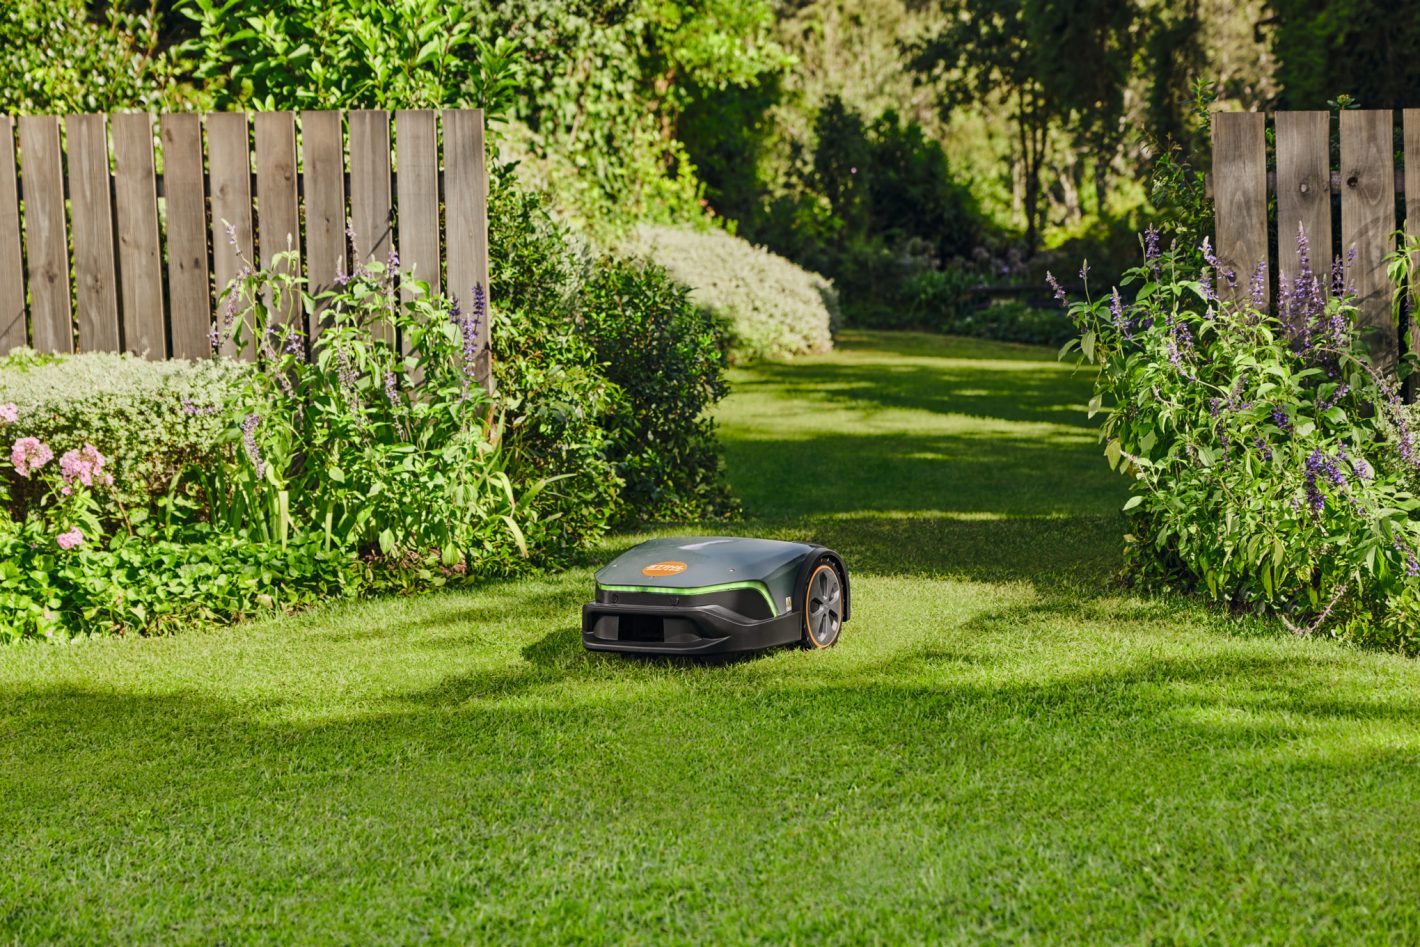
(375, 432)
(1272, 463)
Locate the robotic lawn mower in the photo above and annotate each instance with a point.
(715, 595)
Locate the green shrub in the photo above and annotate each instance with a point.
(607, 368)
(59, 57)
(555, 401)
(342, 436)
(152, 419)
(770, 307)
(667, 356)
(1012, 322)
(1272, 467)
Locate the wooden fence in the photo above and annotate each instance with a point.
(114, 230)
(1367, 191)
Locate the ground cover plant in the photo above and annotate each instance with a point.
(1272, 463)
(1006, 746)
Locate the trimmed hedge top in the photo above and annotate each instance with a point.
(771, 308)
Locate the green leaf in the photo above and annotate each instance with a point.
(517, 535)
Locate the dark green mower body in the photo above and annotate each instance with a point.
(715, 595)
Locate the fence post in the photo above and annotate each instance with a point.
(1303, 193)
(466, 202)
(1240, 198)
(1368, 221)
(12, 277)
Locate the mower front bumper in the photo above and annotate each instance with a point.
(682, 629)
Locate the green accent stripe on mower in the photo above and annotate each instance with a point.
(759, 587)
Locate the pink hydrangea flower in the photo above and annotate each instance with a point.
(28, 454)
(71, 539)
(9, 413)
(85, 465)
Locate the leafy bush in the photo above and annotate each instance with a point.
(667, 356)
(1271, 465)
(1011, 322)
(66, 569)
(297, 54)
(373, 450)
(606, 365)
(874, 205)
(153, 419)
(556, 403)
(770, 307)
(55, 58)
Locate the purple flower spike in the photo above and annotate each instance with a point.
(1055, 287)
(249, 426)
(469, 325)
(1258, 289)
(1116, 310)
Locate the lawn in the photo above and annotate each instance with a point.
(1005, 746)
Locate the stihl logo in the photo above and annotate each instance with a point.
(664, 568)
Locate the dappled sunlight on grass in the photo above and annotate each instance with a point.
(1006, 745)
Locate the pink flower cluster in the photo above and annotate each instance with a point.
(9, 413)
(71, 539)
(86, 466)
(29, 454)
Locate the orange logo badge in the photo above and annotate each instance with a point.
(658, 569)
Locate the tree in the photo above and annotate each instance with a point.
(1053, 64)
(986, 51)
(1361, 48)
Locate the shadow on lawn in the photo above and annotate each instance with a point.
(911, 721)
(853, 472)
(1017, 392)
(985, 501)
(512, 787)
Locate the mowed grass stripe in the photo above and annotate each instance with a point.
(1006, 746)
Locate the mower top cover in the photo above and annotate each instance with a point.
(715, 594)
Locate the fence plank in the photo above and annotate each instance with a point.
(1410, 120)
(12, 264)
(95, 273)
(370, 202)
(278, 213)
(1240, 186)
(229, 164)
(417, 153)
(185, 206)
(466, 221)
(1303, 193)
(1367, 222)
(140, 260)
(46, 234)
(323, 149)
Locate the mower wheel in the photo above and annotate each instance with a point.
(823, 606)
